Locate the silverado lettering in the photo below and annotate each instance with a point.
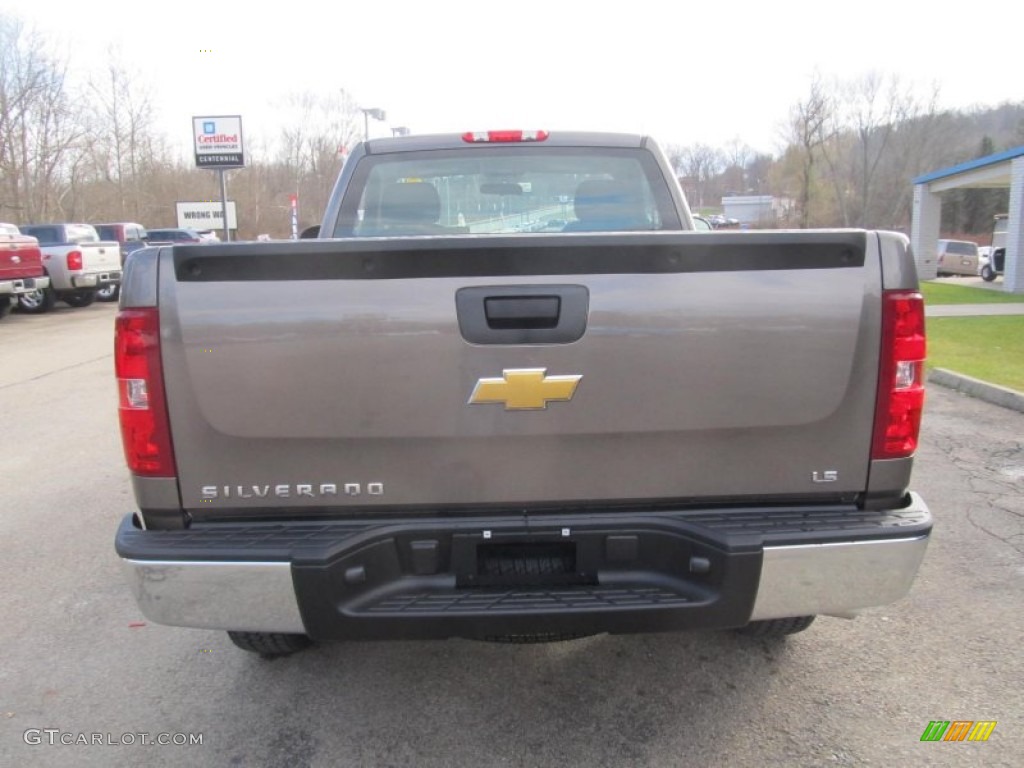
(285, 491)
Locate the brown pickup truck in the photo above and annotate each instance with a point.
(21, 266)
(511, 393)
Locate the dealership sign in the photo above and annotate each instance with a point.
(206, 214)
(218, 141)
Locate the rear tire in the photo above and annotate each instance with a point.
(270, 645)
(109, 293)
(776, 627)
(79, 298)
(988, 274)
(38, 301)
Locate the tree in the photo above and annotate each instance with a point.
(737, 155)
(312, 145)
(40, 124)
(699, 163)
(972, 210)
(808, 122)
(869, 111)
(123, 145)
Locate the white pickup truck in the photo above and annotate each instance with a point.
(77, 262)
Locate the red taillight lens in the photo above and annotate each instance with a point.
(900, 376)
(74, 259)
(142, 407)
(503, 136)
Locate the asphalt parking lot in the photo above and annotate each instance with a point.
(79, 658)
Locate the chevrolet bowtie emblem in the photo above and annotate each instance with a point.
(525, 389)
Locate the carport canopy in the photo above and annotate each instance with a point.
(1003, 169)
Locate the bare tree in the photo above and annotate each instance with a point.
(122, 111)
(869, 111)
(758, 172)
(313, 145)
(737, 155)
(674, 153)
(22, 78)
(807, 132)
(700, 163)
(39, 123)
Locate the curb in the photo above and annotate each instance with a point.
(990, 393)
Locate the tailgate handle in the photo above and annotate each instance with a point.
(522, 311)
(523, 314)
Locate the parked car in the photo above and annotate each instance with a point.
(130, 237)
(996, 262)
(21, 266)
(719, 221)
(209, 236)
(77, 262)
(984, 257)
(173, 236)
(957, 257)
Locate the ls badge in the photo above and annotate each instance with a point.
(525, 389)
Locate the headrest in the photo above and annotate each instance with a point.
(600, 199)
(415, 203)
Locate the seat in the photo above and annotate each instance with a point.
(411, 209)
(605, 205)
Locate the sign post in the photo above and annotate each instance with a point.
(218, 146)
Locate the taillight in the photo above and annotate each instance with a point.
(142, 407)
(476, 137)
(74, 259)
(900, 376)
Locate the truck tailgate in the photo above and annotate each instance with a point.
(341, 373)
(19, 257)
(100, 257)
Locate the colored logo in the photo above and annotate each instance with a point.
(525, 389)
(209, 127)
(958, 730)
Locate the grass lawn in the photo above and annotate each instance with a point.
(987, 348)
(945, 293)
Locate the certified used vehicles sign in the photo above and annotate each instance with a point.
(218, 141)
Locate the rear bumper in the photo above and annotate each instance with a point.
(631, 572)
(97, 280)
(23, 285)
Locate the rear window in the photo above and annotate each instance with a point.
(81, 233)
(165, 234)
(108, 232)
(505, 190)
(963, 249)
(45, 235)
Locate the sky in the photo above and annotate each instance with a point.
(682, 73)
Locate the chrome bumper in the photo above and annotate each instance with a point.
(23, 285)
(252, 597)
(837, 578)
(96, 280)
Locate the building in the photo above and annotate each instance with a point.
(1003, 169)
(756, 210)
